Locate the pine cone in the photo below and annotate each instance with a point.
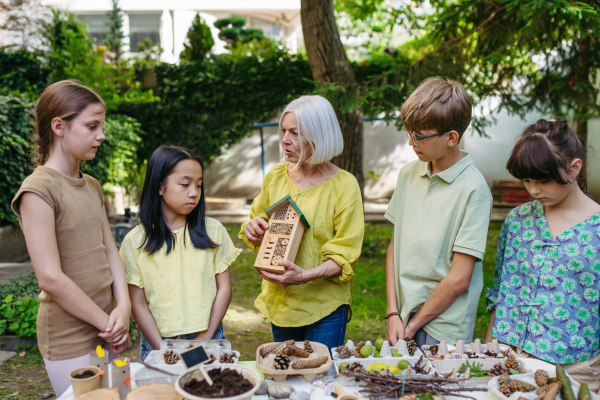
(339, 349)
(541, 377)
(228, 358)
(360, 345)
(354, 353)
(212, 360)
(542, 390)
(308, 347)
(511, 363)
(170, 357)
(520, 386)
(496, 370)
(281, 362)
(433, 349)
(504, 383)
(356, 367)
(411, 344)
(345, 353)
(295, 351)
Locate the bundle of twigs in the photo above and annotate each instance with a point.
(389, 386)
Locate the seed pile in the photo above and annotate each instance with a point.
(85, 374)
(170, 357)
(226, 383)
(281, 229)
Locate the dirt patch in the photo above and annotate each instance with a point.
(226, 383)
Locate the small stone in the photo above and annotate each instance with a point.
(299, 396)
(281, 390)
(47, 395)
(263, 388)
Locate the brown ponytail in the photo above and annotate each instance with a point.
(544, 152)
(64, 100)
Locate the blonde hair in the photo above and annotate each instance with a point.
(438, 103)
(318, 126)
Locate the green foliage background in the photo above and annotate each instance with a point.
(201, 41)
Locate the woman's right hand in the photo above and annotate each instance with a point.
(395, 330)
(255, 230)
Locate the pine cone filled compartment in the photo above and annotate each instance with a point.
(170, 357)
(281, 362)
(293, 359)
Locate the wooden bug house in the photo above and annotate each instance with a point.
(282, 239)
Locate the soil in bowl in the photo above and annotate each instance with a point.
(85, 374)
(226, 383)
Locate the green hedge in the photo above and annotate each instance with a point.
(211, 104)
(22, 71)
(16, 128)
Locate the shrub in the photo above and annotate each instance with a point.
(25, 285)
(201, 41)
(19, 316)
(16, 127)
(210, 104)
(20, 70)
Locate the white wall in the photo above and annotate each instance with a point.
(239, 174)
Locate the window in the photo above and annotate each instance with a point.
(272, 30)
(97, 26)
(142, 27)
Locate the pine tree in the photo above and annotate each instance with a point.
(201, 41)
(114, 37)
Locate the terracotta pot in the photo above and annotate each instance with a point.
(81, 386)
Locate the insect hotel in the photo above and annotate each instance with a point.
(282, 239)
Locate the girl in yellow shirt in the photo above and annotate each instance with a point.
(177, 261)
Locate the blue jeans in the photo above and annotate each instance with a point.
(146, 347)
(329, 331)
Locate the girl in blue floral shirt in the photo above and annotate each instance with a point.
(545, 300)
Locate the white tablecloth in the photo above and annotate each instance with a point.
(318, 393)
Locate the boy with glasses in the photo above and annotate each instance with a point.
(441, 210)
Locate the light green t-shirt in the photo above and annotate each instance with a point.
(433, 217)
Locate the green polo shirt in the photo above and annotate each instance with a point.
(433, 217)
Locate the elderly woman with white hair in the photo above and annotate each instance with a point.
(311, 300)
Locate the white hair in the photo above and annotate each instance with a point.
(318, 125)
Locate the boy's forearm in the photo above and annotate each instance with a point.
(443, 296)
(390, 279)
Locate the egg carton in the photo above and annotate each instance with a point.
(473, 351)
(385, 353)
(156, 358)
(178, 345)
(366, 362)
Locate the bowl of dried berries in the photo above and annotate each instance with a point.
(231, 382)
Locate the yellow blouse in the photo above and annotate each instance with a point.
(334, 211)
(180, 286)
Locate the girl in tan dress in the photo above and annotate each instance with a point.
(84, 300)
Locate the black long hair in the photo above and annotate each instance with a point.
(160, 166)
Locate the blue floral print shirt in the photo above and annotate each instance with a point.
(546, 291)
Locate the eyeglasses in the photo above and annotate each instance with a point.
(416, 138)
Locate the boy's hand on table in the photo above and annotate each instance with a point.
(117, 326)
(395, 330)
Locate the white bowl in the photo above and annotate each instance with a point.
(194, 372)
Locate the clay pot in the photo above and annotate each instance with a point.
(81, 386)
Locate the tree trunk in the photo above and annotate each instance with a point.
(582, 108)
(328, 63)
